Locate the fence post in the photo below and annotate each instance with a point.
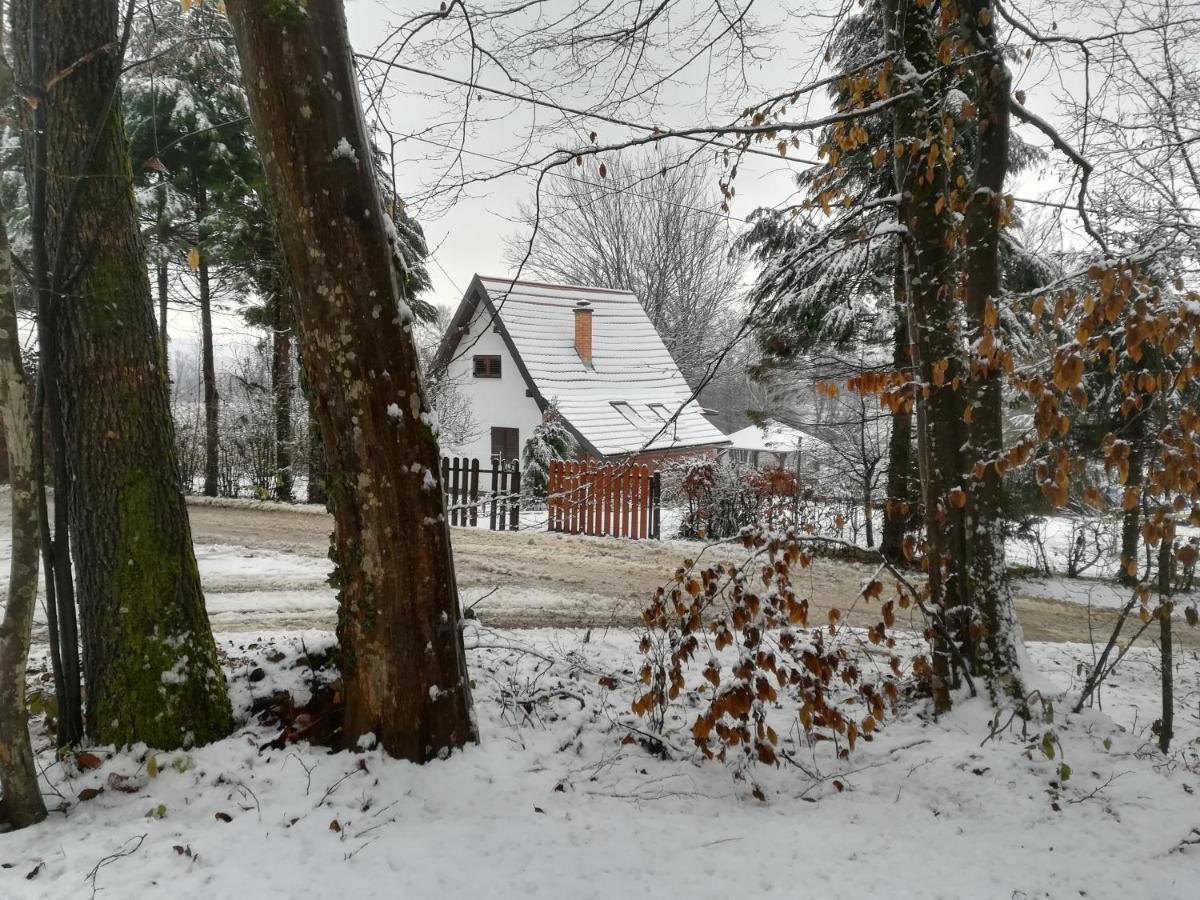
(515, 499)
(635, 504)
(502, 515)
(492, 499)
(474, 492)
(655, 507)
(569, 493)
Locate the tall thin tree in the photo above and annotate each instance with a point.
(149, 659)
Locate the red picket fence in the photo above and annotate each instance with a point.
(612, 500)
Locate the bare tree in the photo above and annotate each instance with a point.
(650, 223)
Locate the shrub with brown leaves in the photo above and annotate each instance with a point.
(751, 628)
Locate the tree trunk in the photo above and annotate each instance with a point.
(161, 265)
(149, 658)
(61, 620)
(1167, 724)
(994, 635)
(403, 661)
(20, 796)
(1134, 431)
(281, 388)
(212, 402)
(899, 474)
(933, 323)
(315, 492)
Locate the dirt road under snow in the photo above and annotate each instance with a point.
(533, 579)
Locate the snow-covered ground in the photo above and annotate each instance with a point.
(555, 802)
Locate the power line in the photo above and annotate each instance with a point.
(523, 169)
(612, 120)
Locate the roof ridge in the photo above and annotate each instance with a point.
(565, 287)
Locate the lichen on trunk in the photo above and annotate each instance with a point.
(402, 651)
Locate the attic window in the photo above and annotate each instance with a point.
(487, 366)
(661, 411)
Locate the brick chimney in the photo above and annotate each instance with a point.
(583, 331)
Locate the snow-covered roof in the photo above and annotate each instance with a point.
(773, 437)
(630, 392)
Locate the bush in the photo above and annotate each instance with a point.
(722, 499)
(753, 612)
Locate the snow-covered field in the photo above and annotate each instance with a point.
(556, 803)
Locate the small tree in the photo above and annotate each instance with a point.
(551, 441)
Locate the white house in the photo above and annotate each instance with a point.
(513, 348)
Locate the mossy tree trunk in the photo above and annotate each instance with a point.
(402, 650)
(20, 796)
(150, 663)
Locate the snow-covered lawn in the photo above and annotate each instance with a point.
(555, 802)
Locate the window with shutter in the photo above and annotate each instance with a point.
(487, 366)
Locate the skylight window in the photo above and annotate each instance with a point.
(628, 414)
(661, 411)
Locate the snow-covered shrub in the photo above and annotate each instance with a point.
(720, 501)
(723, 498)
(551, 441)
(750, 630)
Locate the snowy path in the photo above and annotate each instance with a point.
(264, 567)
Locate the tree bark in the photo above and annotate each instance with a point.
(936, 352)
(1167, 724)
(212, 401)
(899, 474)
(993, 635)
(61, 618)
(281, 388)
(315, 492)
(403, 660)
(161, 271)
(1134, 431)
(150, 662)
(20, 796)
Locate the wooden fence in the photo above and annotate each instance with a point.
(501, 498)
(605, 500)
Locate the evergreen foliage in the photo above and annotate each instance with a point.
(551, 441)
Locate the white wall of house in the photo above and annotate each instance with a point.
(495, 402)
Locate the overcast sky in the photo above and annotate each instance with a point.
(466, 230)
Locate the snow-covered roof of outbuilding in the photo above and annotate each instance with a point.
(630, 399)
(773, 437)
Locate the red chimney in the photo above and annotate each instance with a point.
(583, 331)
